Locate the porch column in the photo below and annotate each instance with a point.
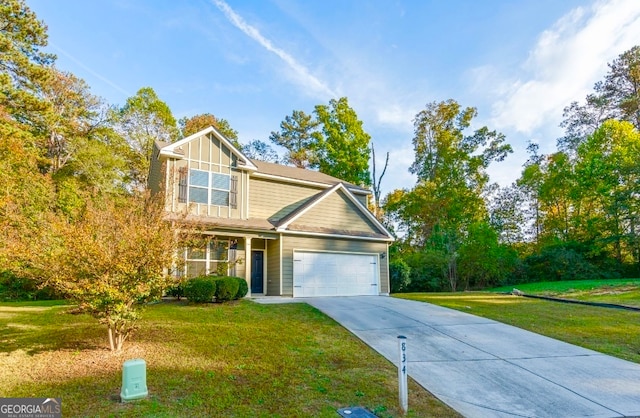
(247, 262)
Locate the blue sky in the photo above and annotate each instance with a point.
(520, 62)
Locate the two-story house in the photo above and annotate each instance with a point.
(287, 231)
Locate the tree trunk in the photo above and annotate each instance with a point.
(111, 338)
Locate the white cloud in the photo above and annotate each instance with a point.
(300, 74)
(396, 114)
(565, 63)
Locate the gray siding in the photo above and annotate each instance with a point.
(274, 200)
(335, 212)
(363, 199)
(291, 243)
(273, 267)
(156, 173)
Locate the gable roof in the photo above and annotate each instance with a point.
(285, 222)
(175, 150)
(301, 175)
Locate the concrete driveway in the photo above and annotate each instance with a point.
(483, 368)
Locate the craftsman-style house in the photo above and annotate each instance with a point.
(287, 231)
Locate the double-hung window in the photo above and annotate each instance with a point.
(220, 185)
(199, 186)
(209, 188)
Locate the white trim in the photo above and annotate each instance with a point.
(351, 237)
(388, 273)
(240, 233)
(306, 182)
(169, 150)
(281, 257)
(311, 250)
(245, 196)
(352, 198)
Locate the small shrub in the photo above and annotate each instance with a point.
(243, 288)
(176, 291)
(226, 288)
(200, 289)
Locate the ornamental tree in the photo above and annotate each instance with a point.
(111, 261)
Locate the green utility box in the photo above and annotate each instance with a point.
(134, 380)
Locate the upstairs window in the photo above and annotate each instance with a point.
(209, 188)
(220, 185)
(198, 186)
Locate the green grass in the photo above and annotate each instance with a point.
(610, 331)
(239, 359)
(620, 291)
(569, 285)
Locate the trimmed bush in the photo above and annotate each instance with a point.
(200, 289)
(243, 288)
(226, 288)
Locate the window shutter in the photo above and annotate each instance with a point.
(182, 185)
(233, 193)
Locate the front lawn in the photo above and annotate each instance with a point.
(610, 331)
(240, 359)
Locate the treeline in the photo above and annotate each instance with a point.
(71, 163)
(572, 214)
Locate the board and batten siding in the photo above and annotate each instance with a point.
(338, 245)
(274, 200)
(336, 212)
(206, 153)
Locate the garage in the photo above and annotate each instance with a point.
(334, 274)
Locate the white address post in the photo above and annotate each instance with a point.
(402, 373)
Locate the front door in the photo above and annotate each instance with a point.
(257, 271)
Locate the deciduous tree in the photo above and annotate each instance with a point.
(111, 260)
(143, 120)
(616, 97)
(452, 178)
(189, 126)
(342, 143)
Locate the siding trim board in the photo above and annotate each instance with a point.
(342, 236)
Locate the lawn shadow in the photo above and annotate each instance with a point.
(53, 328)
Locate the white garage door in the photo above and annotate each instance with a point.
(331, 274)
